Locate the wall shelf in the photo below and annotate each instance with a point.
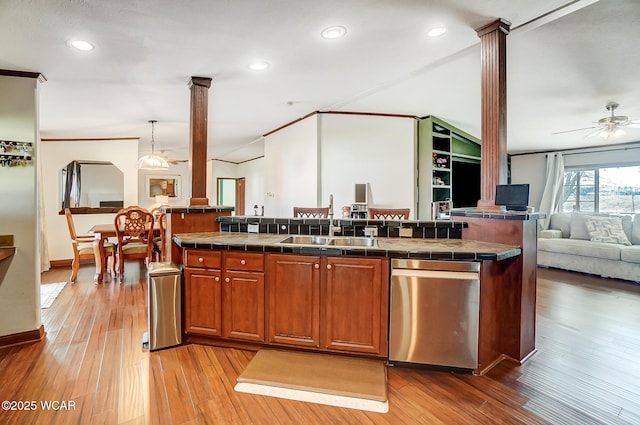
(445, 154)
(14, 154)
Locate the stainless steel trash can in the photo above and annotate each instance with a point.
(165, 311)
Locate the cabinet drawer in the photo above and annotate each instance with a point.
(244, 261)
(202, 258)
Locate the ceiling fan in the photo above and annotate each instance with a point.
(171, 160)
(610, 127)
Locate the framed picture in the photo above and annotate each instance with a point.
(163, 185)
(441, 209)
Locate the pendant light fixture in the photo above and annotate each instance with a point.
(153, 161)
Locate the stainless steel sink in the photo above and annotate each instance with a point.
(353, 241)
(326, 241)
(306, 240)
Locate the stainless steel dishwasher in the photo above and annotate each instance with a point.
(434, 312)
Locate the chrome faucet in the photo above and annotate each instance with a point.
(332, 227)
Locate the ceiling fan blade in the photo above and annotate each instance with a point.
(633, 123)
(593, 133)
(577, 129)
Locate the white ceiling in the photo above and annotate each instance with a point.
(566, 60)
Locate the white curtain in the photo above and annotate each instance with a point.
(552, 194)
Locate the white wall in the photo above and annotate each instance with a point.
(328, 154)
(291, 168)
(20, 275)
(377, 150)
(530, 169)
(55, 155)
(253, 171)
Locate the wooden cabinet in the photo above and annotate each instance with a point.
(294, 299)
(224, 294)
(330, 303)
(355, 305)
(243, 296)
(311, 301)
(203, 292)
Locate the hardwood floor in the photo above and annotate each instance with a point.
(585, 371)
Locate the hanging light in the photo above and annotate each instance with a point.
(153, 161)
(612, 132)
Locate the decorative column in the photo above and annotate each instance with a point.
(199, 87)
(493, 52)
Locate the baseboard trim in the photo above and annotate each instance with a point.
(27, 337)
(58, 264)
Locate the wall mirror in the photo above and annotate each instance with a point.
(163, 186)
(91, 187)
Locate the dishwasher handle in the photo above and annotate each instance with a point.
(435, 274)
(452, 266)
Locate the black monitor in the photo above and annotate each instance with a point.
(514, 196)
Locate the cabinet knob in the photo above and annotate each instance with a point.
(328, 266)
(243, 262)
(227, 280)
(200, 260)
(217, 279)
(316, 266)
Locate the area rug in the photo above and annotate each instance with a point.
(49, 292)
(317, 378)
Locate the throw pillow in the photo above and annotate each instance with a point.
(579, 226)
(561, 221)
(635, 231)
(606, 229)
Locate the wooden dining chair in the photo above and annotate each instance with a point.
(83, 248)
(159, 241)
(389, 213)
(300, 212)
(134, 229)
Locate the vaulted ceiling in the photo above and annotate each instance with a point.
(566, 61)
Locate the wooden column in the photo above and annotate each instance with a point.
(199, 87)
(493, 52)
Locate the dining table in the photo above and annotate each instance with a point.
(102, 232)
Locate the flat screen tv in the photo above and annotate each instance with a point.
(515, 197)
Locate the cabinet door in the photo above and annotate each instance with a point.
(294, 299)
(243, 309)
(202, 301)
(355, 306)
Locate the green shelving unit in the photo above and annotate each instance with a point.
(448, 160)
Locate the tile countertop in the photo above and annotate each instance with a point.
(431, 249)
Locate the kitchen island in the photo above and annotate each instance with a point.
(254, 290)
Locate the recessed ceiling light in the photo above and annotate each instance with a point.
(434, 32)
(258, 65)
(333, 32)
(82, 45)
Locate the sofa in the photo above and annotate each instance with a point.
(607, 245)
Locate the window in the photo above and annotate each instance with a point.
(606, 189)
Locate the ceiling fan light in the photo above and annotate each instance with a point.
(617, 133)
(612, 133)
